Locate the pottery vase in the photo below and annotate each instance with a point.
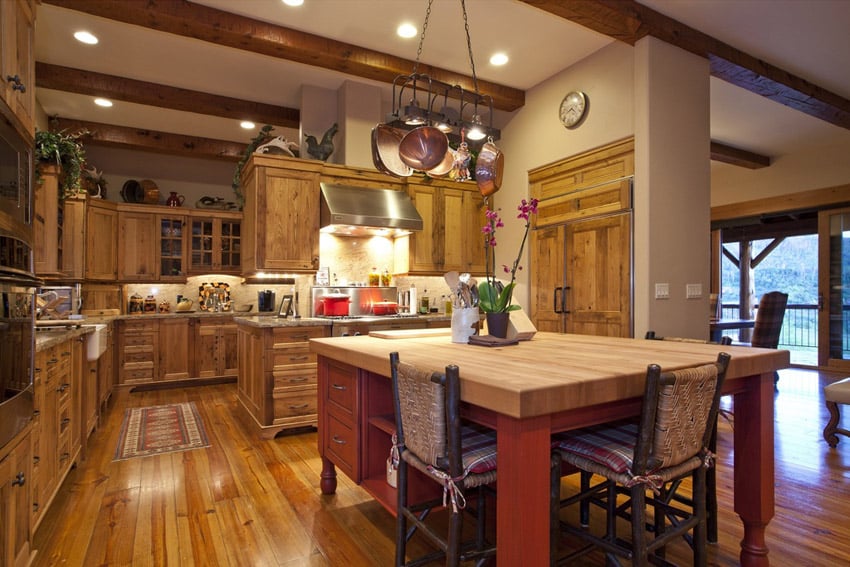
(497, 324)
(175, 200)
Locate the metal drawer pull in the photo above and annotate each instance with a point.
(65, 421)
(339, 441)
(53, 361)
(338, 387)
(300, 406)
(301, 337)
(63, 387)
(20, 479)
(294, 358)
(296, 380)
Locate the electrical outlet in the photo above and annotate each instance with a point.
(662, 291)
(693, 291)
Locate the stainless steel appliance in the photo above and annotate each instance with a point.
(17, 336)
(15, 179)
(362, 301)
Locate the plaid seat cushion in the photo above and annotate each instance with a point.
(610, 445)
(478, 447)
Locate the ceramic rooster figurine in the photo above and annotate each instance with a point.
(322, 150)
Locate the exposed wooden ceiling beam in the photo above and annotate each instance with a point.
(163, 96)
(150, 140)
(736, 156)
(223, 28)
(628, 21)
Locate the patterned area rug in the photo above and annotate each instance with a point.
(160, 429)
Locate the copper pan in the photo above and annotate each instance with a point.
(385, 142)
(423, 148)
(444, 167)
(489, 168)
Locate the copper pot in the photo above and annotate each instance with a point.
(423, 148)
(489, 168)
(444, 167)
(385, 142)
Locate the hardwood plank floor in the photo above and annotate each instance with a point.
(247, 501)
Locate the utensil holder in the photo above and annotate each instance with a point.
(464, 323)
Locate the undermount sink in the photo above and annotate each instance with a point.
(96, 341)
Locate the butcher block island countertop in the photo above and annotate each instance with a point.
(527, 392)
(552, 372)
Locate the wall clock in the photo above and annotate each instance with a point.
(573, 108)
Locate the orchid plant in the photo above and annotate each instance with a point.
(493, 296)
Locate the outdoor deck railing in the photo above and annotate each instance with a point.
(800, 325)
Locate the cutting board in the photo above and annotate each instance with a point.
(411, 333)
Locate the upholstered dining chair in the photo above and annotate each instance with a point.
(669, 442)
(460, 457)
(673, 492)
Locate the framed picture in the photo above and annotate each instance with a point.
(285, 306)
(323, 276)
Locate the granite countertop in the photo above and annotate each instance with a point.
(47, 338)
(271, 322)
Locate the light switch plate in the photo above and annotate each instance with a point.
(693, 291)
(662, 291)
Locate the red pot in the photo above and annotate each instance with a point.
(385, 308)
(335, 305)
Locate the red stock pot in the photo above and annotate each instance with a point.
(334, 305)
(385, 308)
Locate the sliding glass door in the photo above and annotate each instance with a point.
(834, 284)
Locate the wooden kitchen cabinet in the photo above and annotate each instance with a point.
(101, 247)
(137, 241)
(176, 352)
(277, 376)
(171, 251)
(215, 242)
(216, 351)
(17, 61)
(47, 224)
(281, 215)
(16, 502)
(450, 239)
(56, 440)
(138, 351)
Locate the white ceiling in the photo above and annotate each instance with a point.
(807, 38)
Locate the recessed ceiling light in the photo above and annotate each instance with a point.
(406, 30)
(293, 2)
(498, 59)
(103, 102)
(85, 37)
(248, 125)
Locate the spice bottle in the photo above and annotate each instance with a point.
(424, 308)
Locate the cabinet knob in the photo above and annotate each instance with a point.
(17, 85)
(20, 479)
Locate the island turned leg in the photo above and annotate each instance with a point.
(754, 467)
(328, 482)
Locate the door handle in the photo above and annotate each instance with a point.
(564, 309)
(555, 299)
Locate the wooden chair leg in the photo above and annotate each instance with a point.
(832, 426)
(401, 519)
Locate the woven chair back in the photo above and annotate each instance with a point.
(422, 407)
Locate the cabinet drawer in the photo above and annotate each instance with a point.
(136, 340)
(341, 447)
(280, 359)
(282, 336)
(138, 326)
(144, 374)
(292, 404)
(138, 357)
(341, 393)
(294, 378)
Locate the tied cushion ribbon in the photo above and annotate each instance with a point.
(451, 491)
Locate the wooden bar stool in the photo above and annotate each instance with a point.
(834, 394)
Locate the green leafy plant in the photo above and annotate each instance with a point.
(66, 151)
(493, 296)
(261, 138)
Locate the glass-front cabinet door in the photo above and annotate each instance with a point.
(834, 295)
(172, 247)
(215, 245)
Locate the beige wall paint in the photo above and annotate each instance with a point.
(672, 189)
(360, 109)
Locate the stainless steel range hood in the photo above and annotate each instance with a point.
(360, 211)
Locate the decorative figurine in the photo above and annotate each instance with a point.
(322, 150)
